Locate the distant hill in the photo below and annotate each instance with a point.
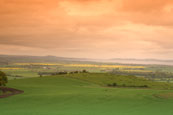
(142, 61)
(133, 59)
(5, 59)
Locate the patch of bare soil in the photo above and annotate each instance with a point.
(6, 92)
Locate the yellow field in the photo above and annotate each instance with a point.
(103, 66)
(36, 64)
(10, 68)
(85, 65)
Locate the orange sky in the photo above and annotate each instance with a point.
(87, 28)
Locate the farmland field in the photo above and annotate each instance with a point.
(160, 73)
(64, 95)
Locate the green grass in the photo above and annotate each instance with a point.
(104, 79)
(24, 73)
(59, 95)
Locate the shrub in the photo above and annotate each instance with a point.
(114, 84)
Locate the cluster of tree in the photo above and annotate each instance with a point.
(124, 85)
(60, 73)
(3, 79)
(83, 71)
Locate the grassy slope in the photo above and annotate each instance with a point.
(104, 79)
(65, 96)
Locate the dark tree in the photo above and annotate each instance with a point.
(3, 78)
(114, 84)
(84, 71)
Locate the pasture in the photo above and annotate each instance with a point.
(65, 95)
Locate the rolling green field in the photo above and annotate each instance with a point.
(64, 95)
(105, 79)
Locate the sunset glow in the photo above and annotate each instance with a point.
(87, 28)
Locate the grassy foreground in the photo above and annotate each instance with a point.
(59, 95)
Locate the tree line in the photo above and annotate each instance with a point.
(60, 73)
